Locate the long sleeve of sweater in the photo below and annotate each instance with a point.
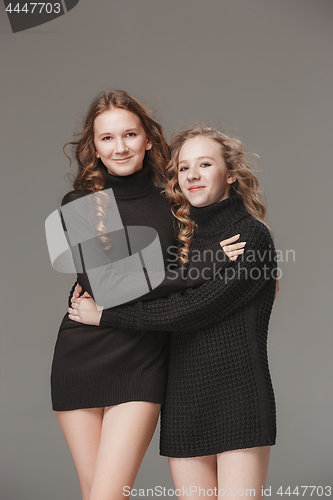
(236, 283)
(82, 278)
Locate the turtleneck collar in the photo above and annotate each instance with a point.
(219, 215)
(132, 186)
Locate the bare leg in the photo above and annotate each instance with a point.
(126, 433)
(240, 471)
(192, 474)
(82, 431)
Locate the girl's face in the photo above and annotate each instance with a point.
(120, 141)
(202, 174)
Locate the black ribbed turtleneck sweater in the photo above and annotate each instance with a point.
(95, 366)
(219, 392)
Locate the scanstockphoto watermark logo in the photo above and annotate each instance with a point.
(25, 15)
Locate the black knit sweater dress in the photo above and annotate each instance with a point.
(98, 367)
(219, 393)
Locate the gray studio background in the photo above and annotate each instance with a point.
(260, 69)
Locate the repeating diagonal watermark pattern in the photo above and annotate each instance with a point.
(133, 264)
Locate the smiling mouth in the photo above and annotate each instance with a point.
(122, 160)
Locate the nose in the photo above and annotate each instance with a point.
(121, 146)
(193, 174)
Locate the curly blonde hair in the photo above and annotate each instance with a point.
(89, 177)
(246, 183)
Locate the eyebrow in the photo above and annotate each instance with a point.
(199, 158)
(126, 131)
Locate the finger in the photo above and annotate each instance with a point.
(234, 252)
(73, 316)
(76, 300)
(229, 240)
(241, 244)
(77, 290)
(86, 294)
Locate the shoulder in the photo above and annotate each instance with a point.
(255, 230)
(72, 195)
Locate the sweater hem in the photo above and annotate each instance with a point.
(218, 449)
(73, 391)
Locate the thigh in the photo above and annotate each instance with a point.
(82, 430)
(241, 470)
(126, 433)
(194, 476)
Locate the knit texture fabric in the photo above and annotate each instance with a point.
(95, 366)
(219, 392)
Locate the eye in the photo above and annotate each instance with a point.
(131, 134)
(182, 169)
(205, 164)
(106, 138)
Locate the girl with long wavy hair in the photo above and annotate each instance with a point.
(218, 421)
(108, 384)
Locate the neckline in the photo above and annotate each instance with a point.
(136, 185)
(219, 215)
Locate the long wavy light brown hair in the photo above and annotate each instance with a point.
(89, 177)
(246, 183)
